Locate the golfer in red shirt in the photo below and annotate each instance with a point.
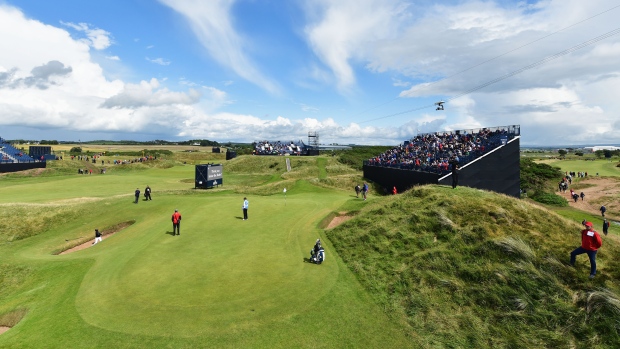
(176, 223)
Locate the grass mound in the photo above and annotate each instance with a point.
(477, 269)
(34, 219)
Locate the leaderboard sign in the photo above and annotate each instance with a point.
(208, 175)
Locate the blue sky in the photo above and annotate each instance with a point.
(356, 71)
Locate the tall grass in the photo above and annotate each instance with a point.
(477, 269)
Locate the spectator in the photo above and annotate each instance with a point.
(582, 196)
(147, 193)
(590, 243)
(394, 191)
(137, 195)
(605, 226)
(365, 190)
(454, 163)
(357, 191)
(603, 209)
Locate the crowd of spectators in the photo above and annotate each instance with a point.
(431, 152)
(279, 148)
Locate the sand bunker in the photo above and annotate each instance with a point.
(4, 329)
(338, 220)
(104, 235)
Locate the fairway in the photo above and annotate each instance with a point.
(224, 282)
(603, 167)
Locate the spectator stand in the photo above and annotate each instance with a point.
(10, 154)
(279, 148)
(431, 152)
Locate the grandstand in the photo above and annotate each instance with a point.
(13, 159)
(488, 158)
(10, 154)
(279, 148)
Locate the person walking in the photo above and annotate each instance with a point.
(454, 167)
(365, 191)
(97, 236)
(137, 194)
(357, 191)
(176, 223)
(603, 209)
(147, 193)
(590, 243)
(394, 191)
(605, 226)
(246, 204)
(582, 196)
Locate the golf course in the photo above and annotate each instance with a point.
(428, 268)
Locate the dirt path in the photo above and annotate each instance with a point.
(598, 191)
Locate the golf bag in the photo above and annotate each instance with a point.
(317, 257)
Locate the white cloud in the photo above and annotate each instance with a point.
(159, 61)
(149, 94)
(341, 31)
(98, 39)
(49, 80)
(212, 24)
(113, 58)
(308, 108)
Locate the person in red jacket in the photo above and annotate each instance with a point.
(176, 223)
(590, 243)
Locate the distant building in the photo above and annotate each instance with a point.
(601, 147)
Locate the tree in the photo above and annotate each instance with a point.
(607, 153)
(75, 150)
(599, 154)
(562, 152)
(579, 153)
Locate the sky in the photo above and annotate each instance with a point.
(354, 71)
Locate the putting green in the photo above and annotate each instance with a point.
(219, 274)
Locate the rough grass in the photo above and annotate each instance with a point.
(477, 269)
(33, 219)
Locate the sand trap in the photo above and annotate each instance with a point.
(338, 220)
(104, 235)
(85, 245)
(4, 329)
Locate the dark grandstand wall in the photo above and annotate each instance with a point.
(22, 166)
(498, 171)
(395, 177)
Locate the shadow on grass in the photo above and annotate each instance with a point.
(170, 233)
(239, 217)
(307, 260)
